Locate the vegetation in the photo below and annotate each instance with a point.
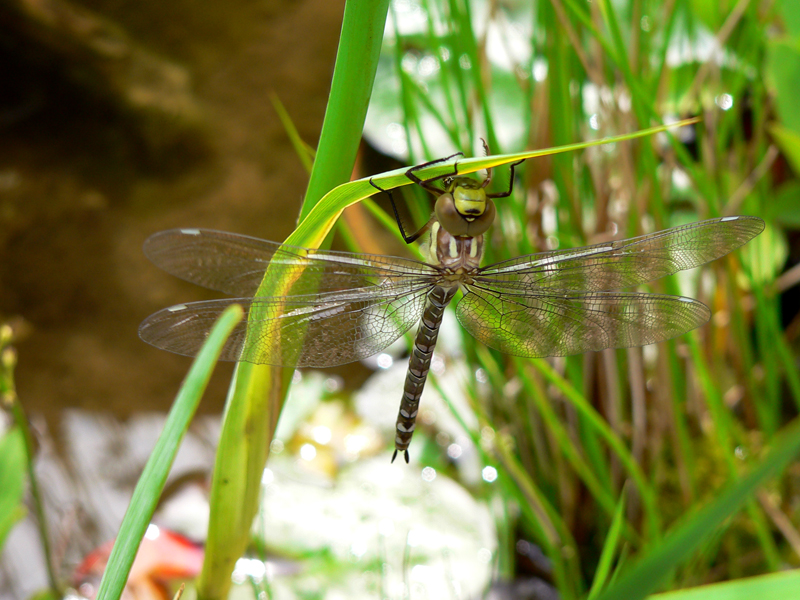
(636, 470)
(681, 421)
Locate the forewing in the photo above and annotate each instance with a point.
(235, 264)
(623, 263)
(547, 324)
(316, 330)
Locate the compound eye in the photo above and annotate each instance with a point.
(449, 218)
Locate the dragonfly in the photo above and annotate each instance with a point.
(343, 307)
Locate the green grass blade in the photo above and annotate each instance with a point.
(603, 571)
(726, 436)
(257, 392)
(12, 481)
(320, 220)
(775, 586)
(555, 536)
(8, 396)
(151, 483)
(351, 88)
(304, 152)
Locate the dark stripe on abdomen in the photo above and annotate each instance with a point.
(419, 365)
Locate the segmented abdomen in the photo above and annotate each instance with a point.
(419, 365)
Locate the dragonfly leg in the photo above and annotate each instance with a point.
(488, 179)
(428, 183)
(510, 182)
(408, 239)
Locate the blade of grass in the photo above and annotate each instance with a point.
(784, 352)
(601, 495)
(151, 483)
(726, 433)
(319, 221)
(775, 586)
(257, 392)
(12, 480)
(8, 397)
(603, 571)
(351, 87)
(304, 152)
(539, 509)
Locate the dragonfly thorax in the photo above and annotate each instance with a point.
(458, 254)
(465, 209)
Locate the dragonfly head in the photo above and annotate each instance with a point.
(465, 209)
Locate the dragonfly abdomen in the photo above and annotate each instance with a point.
(419, 364)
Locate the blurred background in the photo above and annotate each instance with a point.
(119, 119)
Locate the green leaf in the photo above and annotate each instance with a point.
(711, 12)
(765, 256)
(12, 480)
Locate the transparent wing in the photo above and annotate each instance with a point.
(315, 330)
(549, 324)
(235, 264)
(623, 263)
(341, 307)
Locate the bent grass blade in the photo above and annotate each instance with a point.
(319, 222)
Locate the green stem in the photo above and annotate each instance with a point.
(8, 393)
(257, 392)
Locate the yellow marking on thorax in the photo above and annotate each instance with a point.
(429, 251)
(453, 248)
(473, 248)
